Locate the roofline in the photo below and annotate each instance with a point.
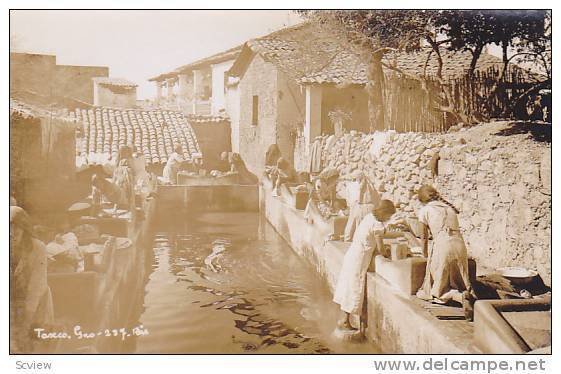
(229, 54)
(84, 66)
(216, 57)
(99, 80)
(33, 53)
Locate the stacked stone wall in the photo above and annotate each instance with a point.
(498, 175)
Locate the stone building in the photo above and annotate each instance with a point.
(196, 88)
(297, 83)
(114, 92)
(37, 77)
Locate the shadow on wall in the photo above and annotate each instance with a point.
(538, 131)
(213, 139)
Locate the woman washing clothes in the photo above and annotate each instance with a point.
(31, 303)
(368, 240)
(447, 276)
(173, 165)
(362, 197)
(283, 173)
(323, 194)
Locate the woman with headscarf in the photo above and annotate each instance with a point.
(446, 276)
(368, 239)
(30, 297)
(362, 198)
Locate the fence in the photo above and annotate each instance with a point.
(411, 107)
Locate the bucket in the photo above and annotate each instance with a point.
(399, 249)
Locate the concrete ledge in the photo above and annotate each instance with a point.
(397, 322)
(225, 198)
(407, 275)
(196, 180)
(74, 294)
(493, 334)
(400, 324)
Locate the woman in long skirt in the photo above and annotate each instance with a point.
(447, 276)
(368, 239)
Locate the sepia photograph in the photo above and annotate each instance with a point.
(342, 181)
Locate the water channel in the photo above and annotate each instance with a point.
(228, 283)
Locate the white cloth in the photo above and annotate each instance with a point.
(362, 197)
(315, 164)
(447, 263)
(142, 178)
(353, 192)
(349, 292)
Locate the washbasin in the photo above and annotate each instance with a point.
(512, 326)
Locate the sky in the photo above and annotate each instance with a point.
(140, 44)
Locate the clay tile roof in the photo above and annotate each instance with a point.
(345, 67)
(203, 118)
(109, 81)
(311, 56)
(153, 132)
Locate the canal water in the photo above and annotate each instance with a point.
(228, 283)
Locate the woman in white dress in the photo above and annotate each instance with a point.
(447, 276)
(362, 197)
(173, 165)
(368, 239)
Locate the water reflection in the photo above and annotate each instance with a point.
(227, 283)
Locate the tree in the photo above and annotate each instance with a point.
(375, 33)
(473, 30)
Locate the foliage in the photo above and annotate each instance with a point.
(374, 33)
(473, 30)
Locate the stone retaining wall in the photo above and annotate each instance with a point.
(497, 174)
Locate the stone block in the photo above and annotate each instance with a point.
(405, 275)
(296, 199)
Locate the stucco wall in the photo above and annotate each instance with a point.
(32, 72)
(496, 174)
(260, 79)
(233, 110)
(104, 96)
(218, 99)
(42, 163)
(291, 114)
(41, 75)
(213, 139)
(353, 100)
(76, 81)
